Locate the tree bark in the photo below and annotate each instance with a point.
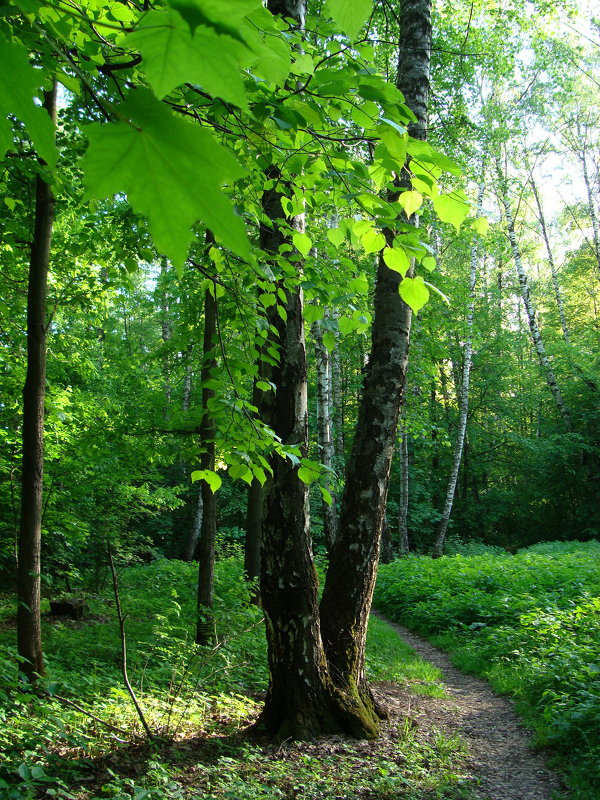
(552, 265)
(351, 575)
(403, 542)
(205, 629)
(29, 634)
(324, 430)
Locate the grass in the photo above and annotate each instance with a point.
(530, 624)
(197, 701)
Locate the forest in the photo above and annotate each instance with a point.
(299, 316)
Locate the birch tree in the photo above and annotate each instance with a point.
(534, 329)
(438, 545)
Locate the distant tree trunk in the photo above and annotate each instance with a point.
(557, 293)
(438, 545)
(194, 535)
(536, 335)
(29, 634)
(350, 581)
(403, 542)
(205, 629)
(324, 430)
(337, 400)
(591, 198)
(165, 335)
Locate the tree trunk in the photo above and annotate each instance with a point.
(338, 403)
(351, 575)
(29, 634)
(536, 335)
(438, 545)
(205, 629)
(403, 543)
(302, 700)
(324, 430)
(194, 536)
(557, 293)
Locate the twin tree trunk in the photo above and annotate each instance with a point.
(316, 657)
(29, 637)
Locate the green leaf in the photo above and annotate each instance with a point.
(346, 325)
(373, 241)
(302, 243)
(208, 475)
(303, 65)
(410, 201)
(326, 495)
(274, 60)
(481, 225)
(438, 291)
(452, 208)
(313, 313)
(329, 340)
(210, 12)
(171, 170)
(414, 292)
(349, 15)
(429, 263)
(308, 475)
(360, 284)
(396, 259)
(336, 236)
(241, 471)
(19, 84)
(172, 57)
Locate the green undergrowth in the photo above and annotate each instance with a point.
(79, 737)
(530, 624)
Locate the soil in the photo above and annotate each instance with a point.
(499, 754)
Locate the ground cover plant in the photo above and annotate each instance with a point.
(79, 738)
(529, 623)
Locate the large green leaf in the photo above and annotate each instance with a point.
(19, 84)
(349, 15)
(171, 170)
(414, 292)
(452, 208)
(225, 16)
(173, 57)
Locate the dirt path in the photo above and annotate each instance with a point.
(499, 754)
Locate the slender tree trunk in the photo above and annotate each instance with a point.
(403, 542)
(165, 335)
(556, 287)
(324, 430)
(337, 400)
(536, 335)
(205, 629)
(351, 575)
(590, 196)
(194, 536)
(29, 634)
(438, 545)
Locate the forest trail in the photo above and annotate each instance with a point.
(499, 754)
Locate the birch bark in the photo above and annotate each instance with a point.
(536, 335)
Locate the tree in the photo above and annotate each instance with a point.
(350, 578)
(29, 637)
